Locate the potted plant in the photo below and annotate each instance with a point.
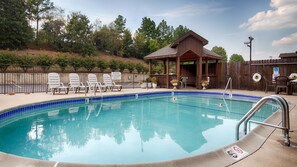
(174, 82)
(149, 82)
(154, 81)
(204, 84)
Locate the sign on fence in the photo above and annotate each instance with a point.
(116, 76)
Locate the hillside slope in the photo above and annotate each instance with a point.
(101, 55)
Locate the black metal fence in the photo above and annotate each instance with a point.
(34, 79)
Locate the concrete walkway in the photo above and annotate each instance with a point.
(272, 153)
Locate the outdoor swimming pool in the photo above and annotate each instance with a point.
(125, 129)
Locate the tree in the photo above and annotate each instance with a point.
(140, 46)
(78, 32)
(220, 51)
(148, 28)
(165, 33)
(119, 25)
(51, 32)
(37, 10)
(127, 43)
(180, 31)
(107, 40)
(15, 31)
(236, 58)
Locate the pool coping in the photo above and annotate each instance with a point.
(250, 143)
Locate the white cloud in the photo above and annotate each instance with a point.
(287, 40)
(282, 15)
(192, 10)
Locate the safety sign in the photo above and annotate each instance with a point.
(236, 152)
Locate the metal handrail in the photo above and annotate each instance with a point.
(285, 116)
(228, 83)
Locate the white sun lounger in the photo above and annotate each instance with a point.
(94, 85)
(110, 84)
(75, 84)
(54, 84)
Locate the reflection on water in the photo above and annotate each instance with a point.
(138, 130)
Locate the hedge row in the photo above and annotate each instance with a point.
(62, 61)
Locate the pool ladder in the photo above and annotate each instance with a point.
(285, 116)
(229, 83)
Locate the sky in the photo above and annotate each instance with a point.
(225, 23)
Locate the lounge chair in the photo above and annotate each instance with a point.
(110, 84)
(75, 84)
(54, 84)
(93, 84)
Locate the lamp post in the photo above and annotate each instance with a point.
(249, 44)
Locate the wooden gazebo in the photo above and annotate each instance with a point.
(192, 60)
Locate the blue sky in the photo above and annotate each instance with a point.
(226, 23)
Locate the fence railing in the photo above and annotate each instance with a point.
(15, 80)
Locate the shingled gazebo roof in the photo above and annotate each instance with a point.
(171, 50)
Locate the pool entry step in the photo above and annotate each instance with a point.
(285, 116)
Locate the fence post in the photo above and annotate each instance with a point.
(4, 82)
(33, 79)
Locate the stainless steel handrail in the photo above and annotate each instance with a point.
(228, 83)
(285, 116)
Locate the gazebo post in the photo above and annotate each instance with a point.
(164, 65)
(178, 67)
(167, 73)
(217, 73)
(206, 68)
(150, 66)
(198, 72)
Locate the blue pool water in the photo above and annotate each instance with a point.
(130, 129)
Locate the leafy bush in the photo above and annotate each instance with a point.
(26, 62)
(122, 66)
(130, 66)
(6, 59)
(89, 63)
(102, 64)
(61, 61)
(114, 64)
(75, 63)
(44, 61)
(139, 67)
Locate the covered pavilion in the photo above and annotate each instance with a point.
(192, 61)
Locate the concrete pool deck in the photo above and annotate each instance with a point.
(264, 150)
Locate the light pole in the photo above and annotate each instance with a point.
(249, 44)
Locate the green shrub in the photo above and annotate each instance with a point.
(44, 61)
(114, 65)
(6, 59)
(61, 61)
(89, 63)
(130, 66)
(75, 62)
(102, 64)
(25, 62)
(139, 67)
(122, 66)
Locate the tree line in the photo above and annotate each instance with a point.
(76, 33)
